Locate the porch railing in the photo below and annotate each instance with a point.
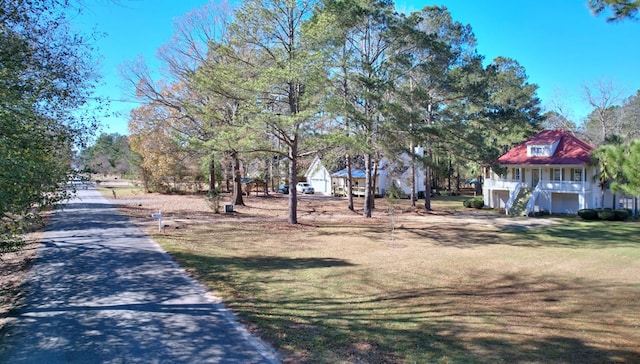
(503, 184)
(564, 186)
(550, 186)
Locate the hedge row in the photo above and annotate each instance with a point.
(604, 214)
(475, 202)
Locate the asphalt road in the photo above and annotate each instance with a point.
(101, 291)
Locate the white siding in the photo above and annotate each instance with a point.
(565, 203)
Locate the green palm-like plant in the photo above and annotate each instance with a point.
(608, 159)
(631, 169)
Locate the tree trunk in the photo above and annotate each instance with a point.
(228, 174)
(367, 186)
(237, 181)
(427, 188)
(293, 193)
(272, 180)
(349, 183)
(267, 176)
(427, 169)
(145, 179)
(212, 174)
(479, 185)
(413, 173)
(374, 185)
(449, 173)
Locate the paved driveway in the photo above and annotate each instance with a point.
(102, 292)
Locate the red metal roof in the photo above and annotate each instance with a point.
(570, 150)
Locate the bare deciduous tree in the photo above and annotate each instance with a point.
(603, 96)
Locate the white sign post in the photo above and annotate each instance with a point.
(158, 216)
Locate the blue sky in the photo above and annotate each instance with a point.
(561, 45)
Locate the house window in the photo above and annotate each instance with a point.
(576, 174)
(539, 150)
(556, 174)
(515, 172)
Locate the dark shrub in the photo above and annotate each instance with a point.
(607, 214)
(588, 214)
(622, 214)
(477, 202)
(539, 213)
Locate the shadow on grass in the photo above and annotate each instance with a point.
(568, 233)
(458, 236)
(572, 233)
(260, 263)
(511, 318)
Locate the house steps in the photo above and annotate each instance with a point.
(520, 203)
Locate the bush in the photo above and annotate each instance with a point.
(539, 213)
(588, 214)
(621, 214)
(213, 200)
(476, 202)
(607, 215)
(604, 214)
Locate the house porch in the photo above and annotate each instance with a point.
(556, 189)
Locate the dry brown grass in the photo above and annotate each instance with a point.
(14, 267)
(461, 286)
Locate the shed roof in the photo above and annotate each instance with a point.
(570, 150)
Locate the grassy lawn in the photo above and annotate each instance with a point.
(124, 191)
(453, 286)
(426, 290)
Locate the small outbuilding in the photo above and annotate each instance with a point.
(397, 172)
(319, 177)
(339, 182)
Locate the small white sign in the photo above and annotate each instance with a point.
(158, 216)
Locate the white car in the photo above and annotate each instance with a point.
(304, 187)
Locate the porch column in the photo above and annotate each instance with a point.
(540, 173)
(521, 174)
(539, 176)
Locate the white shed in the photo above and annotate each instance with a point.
(319, 177)
(397, 172)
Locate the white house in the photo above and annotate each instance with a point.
(549, 172)
(319, 177)
(397, 172)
